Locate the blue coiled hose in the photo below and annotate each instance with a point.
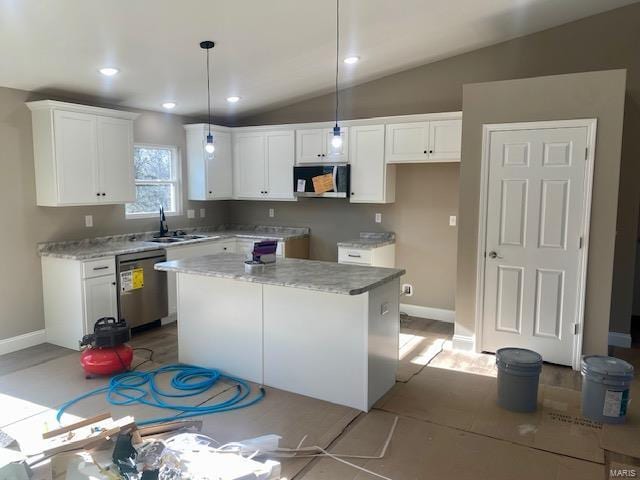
(188, 380)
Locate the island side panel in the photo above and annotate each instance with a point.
(315, 344)
(220, 325)
(384, 333)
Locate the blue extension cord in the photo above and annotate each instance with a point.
(128, 388)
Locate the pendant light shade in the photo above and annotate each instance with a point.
(336, 141)
(209, 147)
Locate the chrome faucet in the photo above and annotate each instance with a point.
(163, 223)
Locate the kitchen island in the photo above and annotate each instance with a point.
(321, 329)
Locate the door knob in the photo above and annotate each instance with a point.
(494, 254)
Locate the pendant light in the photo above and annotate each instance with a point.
(209, 146)
(336, 141)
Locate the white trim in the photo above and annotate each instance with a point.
(19, 342)
(617, 339)
(170, 319)
(421, 117)
(487, 129)
(431, 313)
(76, 107)
(463, 342)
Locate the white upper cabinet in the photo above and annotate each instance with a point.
(445, 140)
(210, 175)
(372, 181)
(279, 165)
(263, 165)
(429, 141)
(407, 142)
(313, 145)
(249, 155)
(83, 155)
(115, 144)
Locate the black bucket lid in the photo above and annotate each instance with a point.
(518, 358)
(607, 366)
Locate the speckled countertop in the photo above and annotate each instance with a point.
(139, 242)
(289, 272)
(369, 240)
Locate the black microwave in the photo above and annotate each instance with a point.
(303, 183)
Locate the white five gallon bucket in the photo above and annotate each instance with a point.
(518, 376)
(605, 388)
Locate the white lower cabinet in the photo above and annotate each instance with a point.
(190, 251)
(384, 256)
(99, 300)
(76, 294)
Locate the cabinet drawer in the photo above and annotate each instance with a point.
(354, 255)
(98, 268)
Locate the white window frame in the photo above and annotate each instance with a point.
(176, 182)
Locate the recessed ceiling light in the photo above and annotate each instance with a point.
(169, 105)
(351, 60)
(109, 71)
(233, 99)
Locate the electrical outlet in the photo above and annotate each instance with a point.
(88, 220)
(191, 213)
(203, 213)
(453, 221)
(407, 289)
(272, 212)
(378, 218)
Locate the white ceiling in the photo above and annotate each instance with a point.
(270, 52)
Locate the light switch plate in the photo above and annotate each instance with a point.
(272, 212)
(203, 213)
(378, 218)
(88, 220)
(453, 221)
(191, 213)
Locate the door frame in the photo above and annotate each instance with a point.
(487, 130)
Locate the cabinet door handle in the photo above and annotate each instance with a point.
(430, 151)
(210, 192)
(98, 194)
(113, 283)
(104, 267)
(352, 255)
(424, 151)
(319, 155)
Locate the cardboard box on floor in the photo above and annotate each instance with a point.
(426, 451)
(468, 402)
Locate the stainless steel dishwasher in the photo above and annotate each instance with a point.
(142, 289)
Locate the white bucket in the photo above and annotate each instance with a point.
(605, 388)
(518, 377)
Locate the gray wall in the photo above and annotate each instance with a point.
(24, 224)
(428, 194)
(606, 41)
(584, 95)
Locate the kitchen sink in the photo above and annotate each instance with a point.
(176, 238)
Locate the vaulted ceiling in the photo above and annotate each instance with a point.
(267, 52)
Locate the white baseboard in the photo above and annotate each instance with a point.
(19, 342)
(463, 342)
(431, 313)
(617, 339)
(170, 319)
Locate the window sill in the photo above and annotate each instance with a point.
(136, 216)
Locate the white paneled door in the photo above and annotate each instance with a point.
(535, 224)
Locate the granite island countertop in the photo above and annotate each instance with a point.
(327, 277)
(369, 240)
(97, 247)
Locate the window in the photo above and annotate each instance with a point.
(157, 178)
